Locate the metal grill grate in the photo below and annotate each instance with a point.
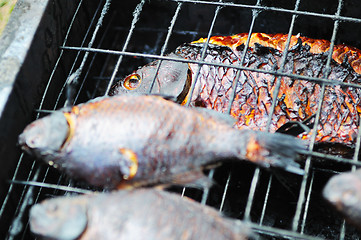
(120, 36)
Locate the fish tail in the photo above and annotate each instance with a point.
(274, 150)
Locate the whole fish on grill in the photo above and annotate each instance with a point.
(343, 191)
(141, 214)
(297, 99)
(125, 141)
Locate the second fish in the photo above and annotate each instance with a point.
(124, 141)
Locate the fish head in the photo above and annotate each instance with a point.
(173, 79)
(46, 136)
(59, 218)
(343, 191)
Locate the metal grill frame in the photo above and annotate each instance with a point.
(31, 191)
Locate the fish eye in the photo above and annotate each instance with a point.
(132, 82)
(34, 142)
(52, 208)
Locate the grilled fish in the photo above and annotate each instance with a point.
(124, 141)
(343, 191)
(140, 214)
(297, 99)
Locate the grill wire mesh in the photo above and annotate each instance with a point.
(120, 36)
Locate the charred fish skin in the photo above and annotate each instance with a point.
(122, 141)
(141, 214)
(297, 99)
(343, 192)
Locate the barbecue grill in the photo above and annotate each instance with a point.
(74, 50)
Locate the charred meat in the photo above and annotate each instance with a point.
(297, 100)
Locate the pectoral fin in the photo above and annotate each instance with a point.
(128, 163)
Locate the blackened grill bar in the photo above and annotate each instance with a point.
(136, 14)
(273, 9)
(274, 99)
(253, 197)
(152, 56)
(28, 194)
(301, 198)
(73, 76)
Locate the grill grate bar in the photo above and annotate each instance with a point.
(53, 186)
(90, 65)
(301, 197)
(357, 148)
(283, 62)
(206, 189)
(136, 14)
(60, 56)
(40, 106)
(144, 55)
(225, 192)
(92, 60)
(164, 48)
(24, 200)
(103, 69)
(16, 226)
(353, 169)
(35, 199)
(343, 230)
(251, 194)
(274, 100)
(333, 158)
(307, 204)
(307, 165)
(280, 233)
(90, 44)
(233, 95)
(160, 30)
(73, 77)
(274, 9)
(241, 63)
(203, 54)
(11, 185)
(27, 196)
(265, 201)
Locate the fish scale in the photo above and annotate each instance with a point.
(297, 99)
(132, 141)
(141, 214)
(254, 91)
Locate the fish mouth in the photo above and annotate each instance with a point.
(39, 154)
(26, 149)
(22, 143)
